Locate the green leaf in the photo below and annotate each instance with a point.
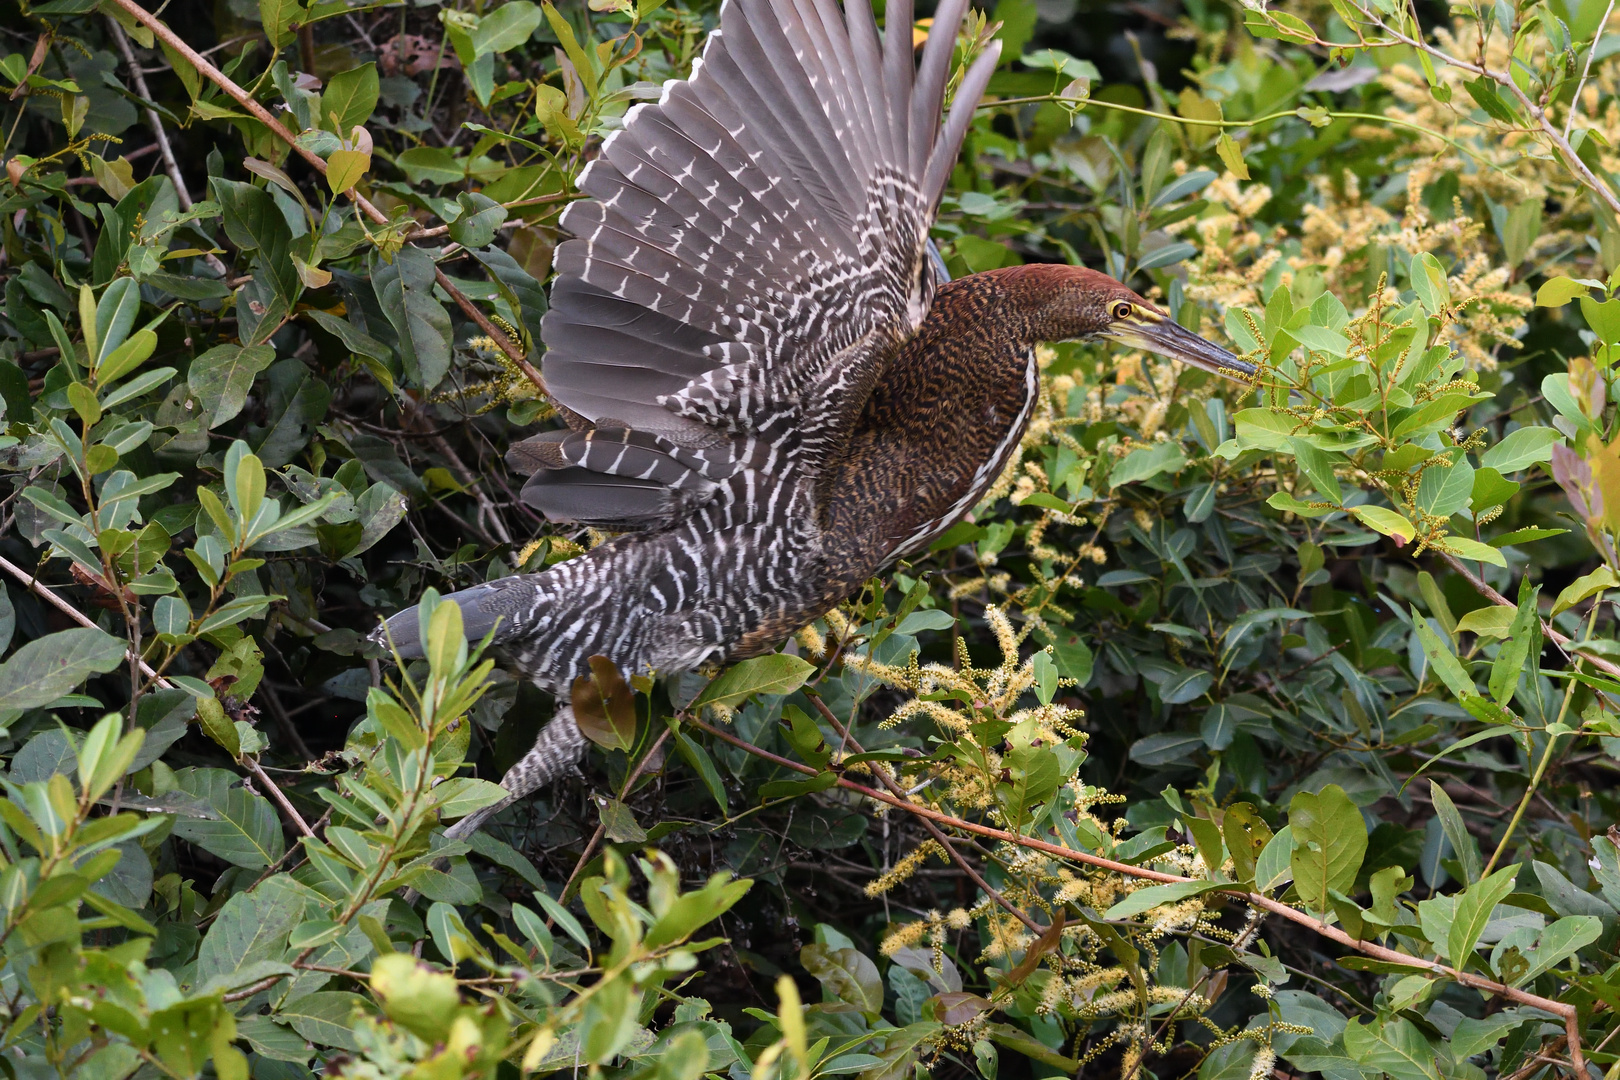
(1522, 448)
(570, 44)
(326, 1018)
(698, 758)
(1317, 464)
(1442, 660)
(126, 358)
(1231, 156)
(1603, 317)
(1329, 843)
(1485, 95)
(777, 673)
(1273, 867)
(1147, 462)
(1429, 282)
(222, 377)
(1384, 520)
(1583, 587)
(1321, 339)
(278, 18)
(461, 795)
(1494, 620)
(431, 165)
(480, 217)
(1490, 489)
(694, 910)
(1456, 831)
(847, 974)
(1524, 641)
(1524, 536)
(1555, 292)
(250, 927)
(506, 28)
(352, 96)
(115, 316)
(1520, 230)
(1395, 1047)
(1474, 907)
(1155, 895)
(344, 168)
(244, 830)
(49, 667)
(619, 824)
(1560, 941)
(405, 290)
(1473, 550)
(138, 386)
(1247, 836)
(1444, 491)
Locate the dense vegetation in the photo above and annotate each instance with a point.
(1242, 732)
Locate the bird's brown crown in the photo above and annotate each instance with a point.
(1062, 303)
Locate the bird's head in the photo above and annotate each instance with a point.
(1085, 305)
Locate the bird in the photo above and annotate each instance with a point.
(772, 391)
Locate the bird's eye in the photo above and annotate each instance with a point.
(1122, 310)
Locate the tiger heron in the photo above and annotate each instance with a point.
(771, 390)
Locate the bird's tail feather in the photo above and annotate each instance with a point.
(485, 607)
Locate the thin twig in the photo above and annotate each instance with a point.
(933, 830)
(1597, 37)
(252, 766)
(601, 828)
(1561, 640)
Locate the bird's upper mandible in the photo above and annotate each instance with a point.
(752, 251)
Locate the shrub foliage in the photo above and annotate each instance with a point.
(1241, 731)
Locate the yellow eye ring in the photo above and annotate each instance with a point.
(1122, 310)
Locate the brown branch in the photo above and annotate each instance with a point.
(264, 116)
(252, 765)
(933, 830)
(1569, 1013)
(1561, 640)
(1537, 114)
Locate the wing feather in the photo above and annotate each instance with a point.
(754, 249)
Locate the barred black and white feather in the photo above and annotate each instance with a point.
(756, 244)
(753, 253)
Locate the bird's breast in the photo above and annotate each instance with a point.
(942, 425)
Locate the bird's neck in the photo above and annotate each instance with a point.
(1044, 302)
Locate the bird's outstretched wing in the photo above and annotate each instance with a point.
(754, 248)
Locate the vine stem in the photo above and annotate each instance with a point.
(1080, 105)
(1568, 1013)
(367, 207)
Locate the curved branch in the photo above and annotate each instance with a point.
(1568, 1013)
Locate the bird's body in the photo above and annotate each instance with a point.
(770, 393)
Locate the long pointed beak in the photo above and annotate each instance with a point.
(1167, 337)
